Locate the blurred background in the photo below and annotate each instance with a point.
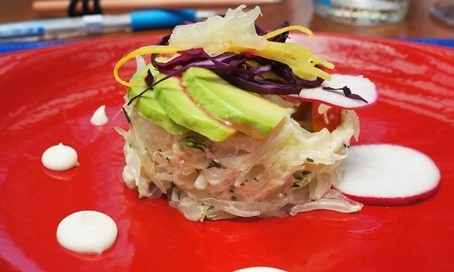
(417, 23)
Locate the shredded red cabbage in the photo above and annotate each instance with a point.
(248, 72)
(240, 69)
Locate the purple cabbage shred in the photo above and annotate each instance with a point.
(243, 70)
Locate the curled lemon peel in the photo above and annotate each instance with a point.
(301, 62)
(146, 50)
(290, 54)
(288, 28)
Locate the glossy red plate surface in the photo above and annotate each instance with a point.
(48, 96)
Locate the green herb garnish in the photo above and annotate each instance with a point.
(190, 142)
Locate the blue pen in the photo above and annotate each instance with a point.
(98, 24)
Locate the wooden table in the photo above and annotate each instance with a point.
(418, 22)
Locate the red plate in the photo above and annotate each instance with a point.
(48, 96)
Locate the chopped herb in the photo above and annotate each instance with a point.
(301, 178)
(215, 164)
(301, 174)
(190, 142)
(256, 179)
(206, 212)
(300, 183)
(309, 159)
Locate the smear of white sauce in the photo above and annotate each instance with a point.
(259, 269)
(59, 157)
(99, 117)
(87, 232)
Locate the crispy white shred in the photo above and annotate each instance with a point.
(219, 33)
(290, 171)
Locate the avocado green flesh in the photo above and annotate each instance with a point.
(182, 109)
(149, 108)
(246, 111)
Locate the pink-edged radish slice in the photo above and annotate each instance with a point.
(388, 175)
(334, 96)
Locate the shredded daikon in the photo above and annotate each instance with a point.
(220, 33)
(241, 176)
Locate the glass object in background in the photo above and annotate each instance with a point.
(362, 12)
(443, 11)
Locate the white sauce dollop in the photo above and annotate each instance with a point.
(87, 232)
(259, 269)
(99, 117)
(59, 158)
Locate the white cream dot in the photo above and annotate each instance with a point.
(99, 117)
(87, 232)
(59, 157)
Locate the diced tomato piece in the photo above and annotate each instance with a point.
(308, 117)
(330, 119)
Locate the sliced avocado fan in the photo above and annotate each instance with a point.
(148, 107)
(246, 111)
(204, 103)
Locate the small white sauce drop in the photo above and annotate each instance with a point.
(59, 158)
(259, 269)
(87, 232)
(99, 117)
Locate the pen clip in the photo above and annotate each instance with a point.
(86, 8)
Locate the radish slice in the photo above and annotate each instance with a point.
(388, 175)
(357, 84)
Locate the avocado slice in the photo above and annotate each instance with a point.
(148, 107)
(184, 111)
(246, 111)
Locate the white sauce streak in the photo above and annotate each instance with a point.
(99, 117)
(59, 158)
(87, 232)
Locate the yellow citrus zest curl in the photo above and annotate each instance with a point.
(146, 50)
(289, 28)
